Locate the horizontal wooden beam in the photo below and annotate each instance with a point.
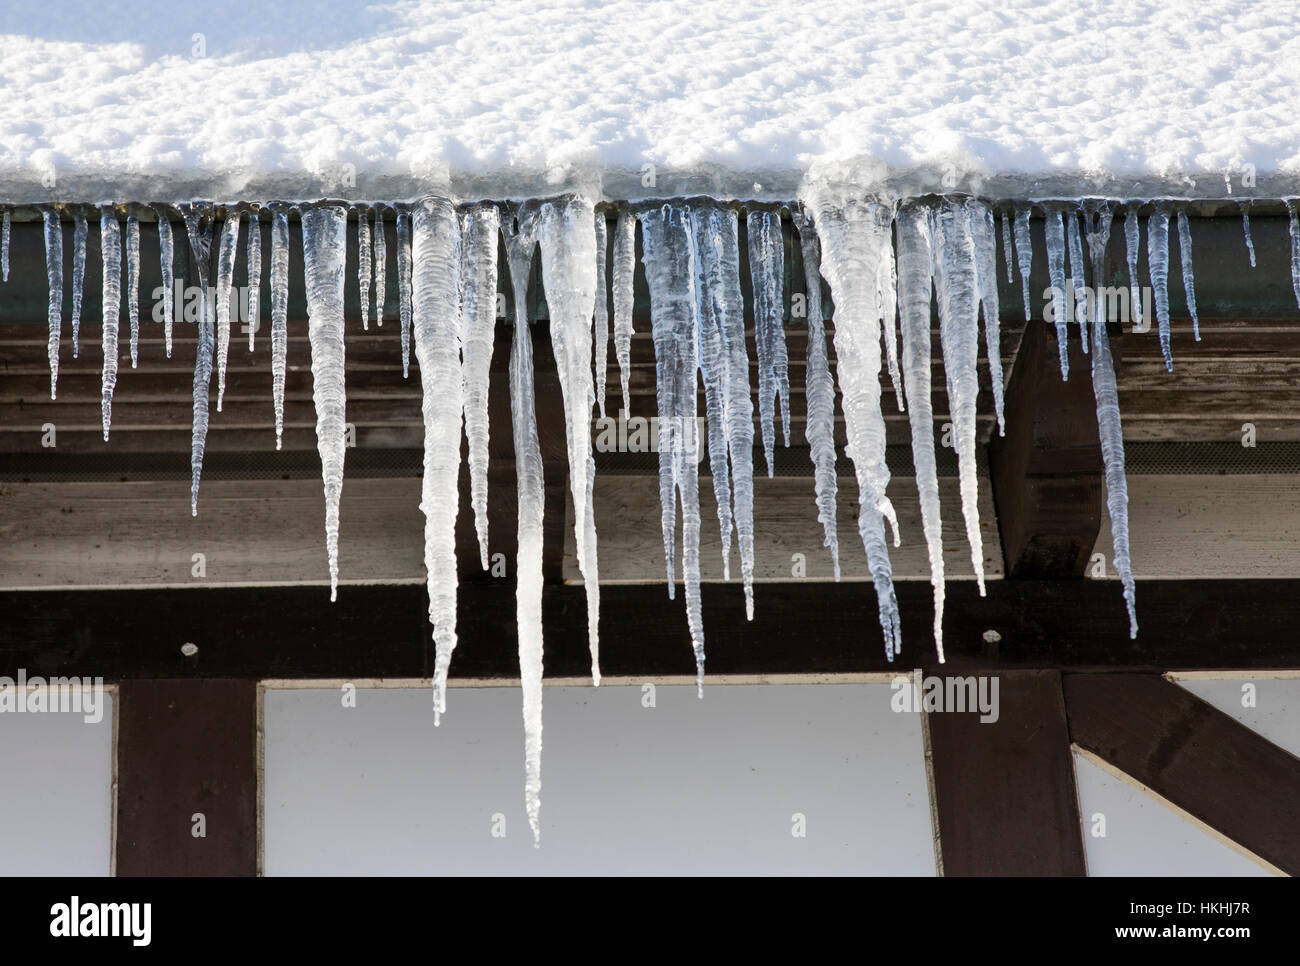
(798, 628)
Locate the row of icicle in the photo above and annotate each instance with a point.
(881, 260)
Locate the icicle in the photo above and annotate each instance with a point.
(279, 314)
(600, 318)
(200, 238)
(955, 279)
(887, 287)
(324, 247)
(724, 365)
(1295, 249)
(225, 284)
(1108, 420)
(254, 259)
(623, 272)
(1245, 230)
(478, 328)
(1078, 280)
(404, 286)
(1132, 247)
(379, 241)
(364, 265)
(1189, 278)
(528, 472)
(1158, 265)
(567, 237)
(4, 245)
(80, 231)
(668, 254)
(1024, 253)
(819, 390)
(435, 256)
(110, 234)
(165, 262)
(1055, 233)
(767, 273)
(986, 266)
(1004, 225)
(851, 238)
(54, 274)
(914, 261)
(133, 284)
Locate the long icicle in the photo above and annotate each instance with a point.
(110, 233)
(1024, 253)
(133, 284)
(819, 389)
(600, 318)
(254, 274)
(1189, 277)
(623, 273)
(198, 228)
(529, 482)
(668, 249)
(955, 284)
(1108, 420)
(1295, 248)
(324, 247)
(567, 237)
(379, 243)
(1054, 229)
(1158, 266)
(851, 236)
(435, 314)
(481, 226)
(54, 275)
(404, 287)
(166, 259)
(1245, 230)
(225, 285)
(914, 274)
(1132, 249)
(80, 232)
(279, 315)
(767, 271)
(1079, 307)
(887, 290)
(986, 265)
(365, 267)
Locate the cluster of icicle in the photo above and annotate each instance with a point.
(882, 262)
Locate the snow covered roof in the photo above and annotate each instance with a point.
(743, 98)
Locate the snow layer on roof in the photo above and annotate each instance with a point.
(164, 100)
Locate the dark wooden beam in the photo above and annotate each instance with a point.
(1004, 791)
(187, 778)
(798, 628)
(1047, 469)
(1193, 755)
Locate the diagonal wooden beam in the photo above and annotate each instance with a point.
(1190, 753)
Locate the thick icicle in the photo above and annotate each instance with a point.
(80, 231)
(110, 234)
(668, 254)
(887, 286)
(324, 247)
(767, 273)
(165, 261)
(955, 279)
(379, 242)
(567, 237)
(529, 483)
(1024, 253)
(986, 266)
(200, 238)
(1108, 420)
(254, 259)
(404, 287)
(436, 260)
(1132, 248)
(1054, 230)
(600, 318)
(819, 389)
(724, 364)
(54, 274)
(914, 273)
(1245, 230)
(1005, 225)
(852, 235)
(623, 271)
(4, 245)
(1189, 277)
(133, 284)
(364, 266)
(225, 285)
(279, 314)
(1078, 279)
(1158, 266)
(481, 224)
(1295, 249)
